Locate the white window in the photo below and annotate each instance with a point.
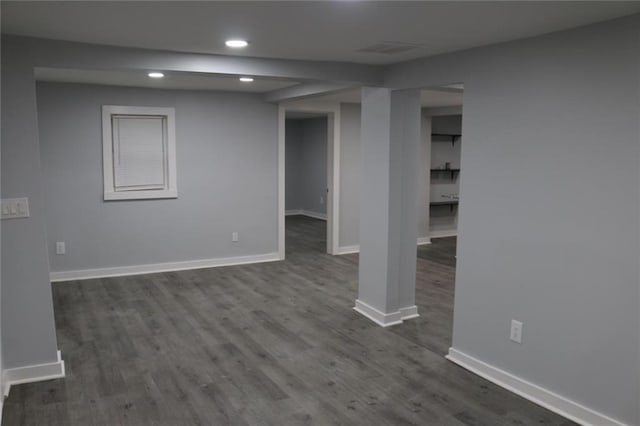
(139, 152)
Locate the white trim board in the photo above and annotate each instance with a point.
(309, 213)
(5, 386)
(424, 240)
(33, 373)
(532, 392)
(4, 393)
(442, 233)
(111, 115)
(348, 249)
(119, 271)
(281, 180)
(385, 319)
(356, 248)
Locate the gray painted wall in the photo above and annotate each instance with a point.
(28, 331)
(447, 124)
(306, 164)
(293, 165)
(226, 168)
(424, 182)
(1, 350)
(350, 172)
(314, 161)
(549, 231)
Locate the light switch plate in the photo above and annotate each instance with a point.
(14, 208)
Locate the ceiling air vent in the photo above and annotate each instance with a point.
(389, 47)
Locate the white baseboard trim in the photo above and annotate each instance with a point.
(534, 393)
(5, 386)
(356, 248)
(348, 249)
(382, 319)
(424, 240)
(409, 312)
(443, 233)
(315, 215)
(4, 392)
(309, 213)
(85, 274)
(33, 373)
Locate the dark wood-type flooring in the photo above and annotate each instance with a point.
(265, 344)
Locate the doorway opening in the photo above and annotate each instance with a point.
(444, 188)
(309, 141)
(439, 200)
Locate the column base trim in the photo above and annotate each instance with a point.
(409, 312)
(33, 373)
(385, 319)
(421, 241)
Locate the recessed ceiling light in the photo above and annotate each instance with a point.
(155, 74)
(236, 43)
(246, 79)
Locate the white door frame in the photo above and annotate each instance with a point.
(333, 170)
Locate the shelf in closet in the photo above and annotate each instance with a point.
(452, 171)
(450, 203)
(445, 135)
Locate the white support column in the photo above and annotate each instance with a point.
(389, 204)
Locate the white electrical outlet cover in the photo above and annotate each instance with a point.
(61, 247)
(516, 331)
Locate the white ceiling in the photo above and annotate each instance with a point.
(171, 80)
(325, 30)
(429, 98)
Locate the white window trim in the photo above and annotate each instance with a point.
(107, 153)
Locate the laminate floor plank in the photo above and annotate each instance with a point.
(262, 344)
